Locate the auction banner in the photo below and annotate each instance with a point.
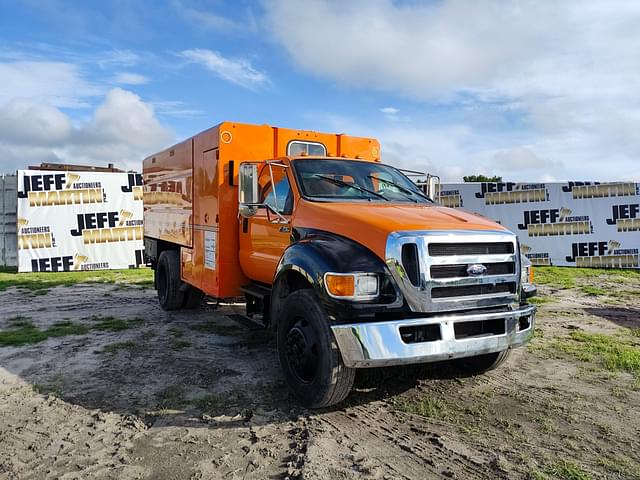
(580, 224)
(79, 221)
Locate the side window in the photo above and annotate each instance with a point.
(312, 149)
(282, 193)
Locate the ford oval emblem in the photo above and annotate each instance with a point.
(476, 269)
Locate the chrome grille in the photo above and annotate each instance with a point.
(448, 249)
(467, 290)
(453, 271)
(440, 281)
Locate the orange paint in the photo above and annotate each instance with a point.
(370, 223)
(191, 192)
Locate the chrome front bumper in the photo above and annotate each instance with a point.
(380, 344)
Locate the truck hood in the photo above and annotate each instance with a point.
(370, 224)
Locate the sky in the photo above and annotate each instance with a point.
(528, 90)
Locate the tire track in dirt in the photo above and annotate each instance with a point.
(369, 441)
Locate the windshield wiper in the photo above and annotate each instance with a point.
(355, 186)
(401, 188)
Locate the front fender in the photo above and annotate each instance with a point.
(313, 253)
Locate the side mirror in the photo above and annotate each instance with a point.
(248, 189)
(433, 187)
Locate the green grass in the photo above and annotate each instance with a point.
(23, 332)
(615, 353)
(593, 291)
(177, 333)
(540, 300)
(180, 344)
(114, 324)
(424, 406)
(621, 466)
(19, 321)
(566, 470)
(55, 390)
(171, 398)
(212, 327)
(569, 277)
(39, 282)
(207, 403)
(117, 346)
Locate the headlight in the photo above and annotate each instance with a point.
(526, 272)
(351, 286)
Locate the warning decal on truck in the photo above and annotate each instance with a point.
(210, 250)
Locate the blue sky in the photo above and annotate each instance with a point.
(527, 90)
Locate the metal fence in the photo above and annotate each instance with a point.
(8, 220)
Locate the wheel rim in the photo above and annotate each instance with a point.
(302, 350)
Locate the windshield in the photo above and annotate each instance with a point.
(338, 180)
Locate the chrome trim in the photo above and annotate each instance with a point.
(419, 297)
(529, 290)
(379, 344)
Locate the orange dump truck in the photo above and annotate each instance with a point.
(344, 257)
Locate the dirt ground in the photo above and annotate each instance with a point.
(129, 391)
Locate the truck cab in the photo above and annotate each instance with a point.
(345, 258)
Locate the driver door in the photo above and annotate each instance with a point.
(264, 236)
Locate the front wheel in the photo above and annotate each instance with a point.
(310, 359)
(483, 363)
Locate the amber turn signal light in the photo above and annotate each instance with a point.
(531, 274)
(340, 285)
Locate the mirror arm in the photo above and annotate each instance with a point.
(281, 218)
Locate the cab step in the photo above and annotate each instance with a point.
(258, 299)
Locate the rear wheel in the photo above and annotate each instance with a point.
(193, 298)
(310, 359)
(168, 280)
(483, 363)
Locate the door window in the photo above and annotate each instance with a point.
(279, 198)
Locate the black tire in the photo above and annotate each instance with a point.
(193, 298)
(168, 280)
(483, 363)
(309, 356)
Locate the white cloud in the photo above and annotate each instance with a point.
(117, 58)
(128, 78)
(438, 150)
(124, 118)
(389, 110)
(24, 122)
(205, 18)
(176, 108)
(414, 48)
(122, 130)
(238, 71)
(56, 83)
(391, 114)
(555, 79)
(519, 158)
